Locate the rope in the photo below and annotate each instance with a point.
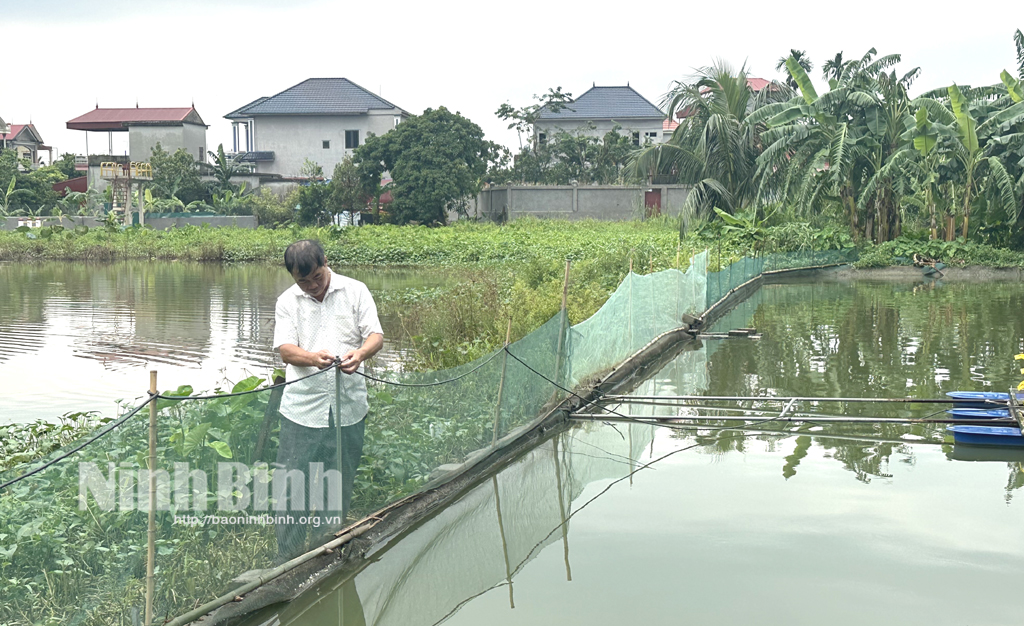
(433, 384)
(109, 428)
(215, 396)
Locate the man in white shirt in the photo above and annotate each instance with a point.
(323, 317)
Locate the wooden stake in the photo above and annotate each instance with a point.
(565, 284)
(151, 543)
(677, 255)
(501, 386)
(562, 324)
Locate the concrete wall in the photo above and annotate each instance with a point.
(600, 202)
(550, 127)
(161, 223)
(191, 137)
(295, 138)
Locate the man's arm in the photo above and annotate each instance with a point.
(350, 360)
(294, 355)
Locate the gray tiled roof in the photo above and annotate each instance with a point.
(605, 103)
(240, 111)
(316, 96)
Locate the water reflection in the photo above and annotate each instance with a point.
(78, 336)
(576, 532)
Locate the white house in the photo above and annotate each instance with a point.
(320, 119)
(25, 140)
(604, 108)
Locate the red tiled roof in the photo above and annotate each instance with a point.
(669, 125)
(16, 130)
(757, 84)
(120, 119)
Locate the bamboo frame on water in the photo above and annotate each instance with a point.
(794, 417)
(626, 399)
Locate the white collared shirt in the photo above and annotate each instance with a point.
(342, 322)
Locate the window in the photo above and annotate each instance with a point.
(398, 118)
(542, 138)
(653, 135)
(327, 144)
(202, 155)
(351, 139)
(636, 138)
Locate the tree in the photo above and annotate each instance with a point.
(436, 161)
(523, 119)
(177, 176)
(1018, 42)
(314, 209)
(311, 169)
(833, 150)
(224, 168)
(801, 58)
(715, 147)
(348, 191)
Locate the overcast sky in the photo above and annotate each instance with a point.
(469, 57)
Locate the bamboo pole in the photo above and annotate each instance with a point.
(338, 439)
(151, 532)
(504, 544)
(624, 398)
(561, 509)
(795, 417)
(1014, 410)
(564, 315)
(501, 386)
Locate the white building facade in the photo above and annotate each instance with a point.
(601, 109)
(320, 119)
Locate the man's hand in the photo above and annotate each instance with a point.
(353, 358)
(294, 355)
(351, 361)
(321, 359)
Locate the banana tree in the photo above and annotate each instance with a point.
(981, 173)
(823, 149)
(9, 195)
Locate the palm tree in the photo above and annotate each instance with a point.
(801, 58)
(714, 149)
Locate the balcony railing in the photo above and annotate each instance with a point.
(109, 169)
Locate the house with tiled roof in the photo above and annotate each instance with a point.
(25, 140)
(173, 128)
(320, 119)
(600, 109)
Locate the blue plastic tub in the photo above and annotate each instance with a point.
(979, 414)
(979, 399)
(987, 435)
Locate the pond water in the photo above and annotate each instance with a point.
(79, 336)
(839, 524)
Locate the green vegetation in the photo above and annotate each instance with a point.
(865, 153)
(437, 160)
(24, 191)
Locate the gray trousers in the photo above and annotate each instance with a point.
(298, 446)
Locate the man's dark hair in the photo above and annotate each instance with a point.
(306, 255)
